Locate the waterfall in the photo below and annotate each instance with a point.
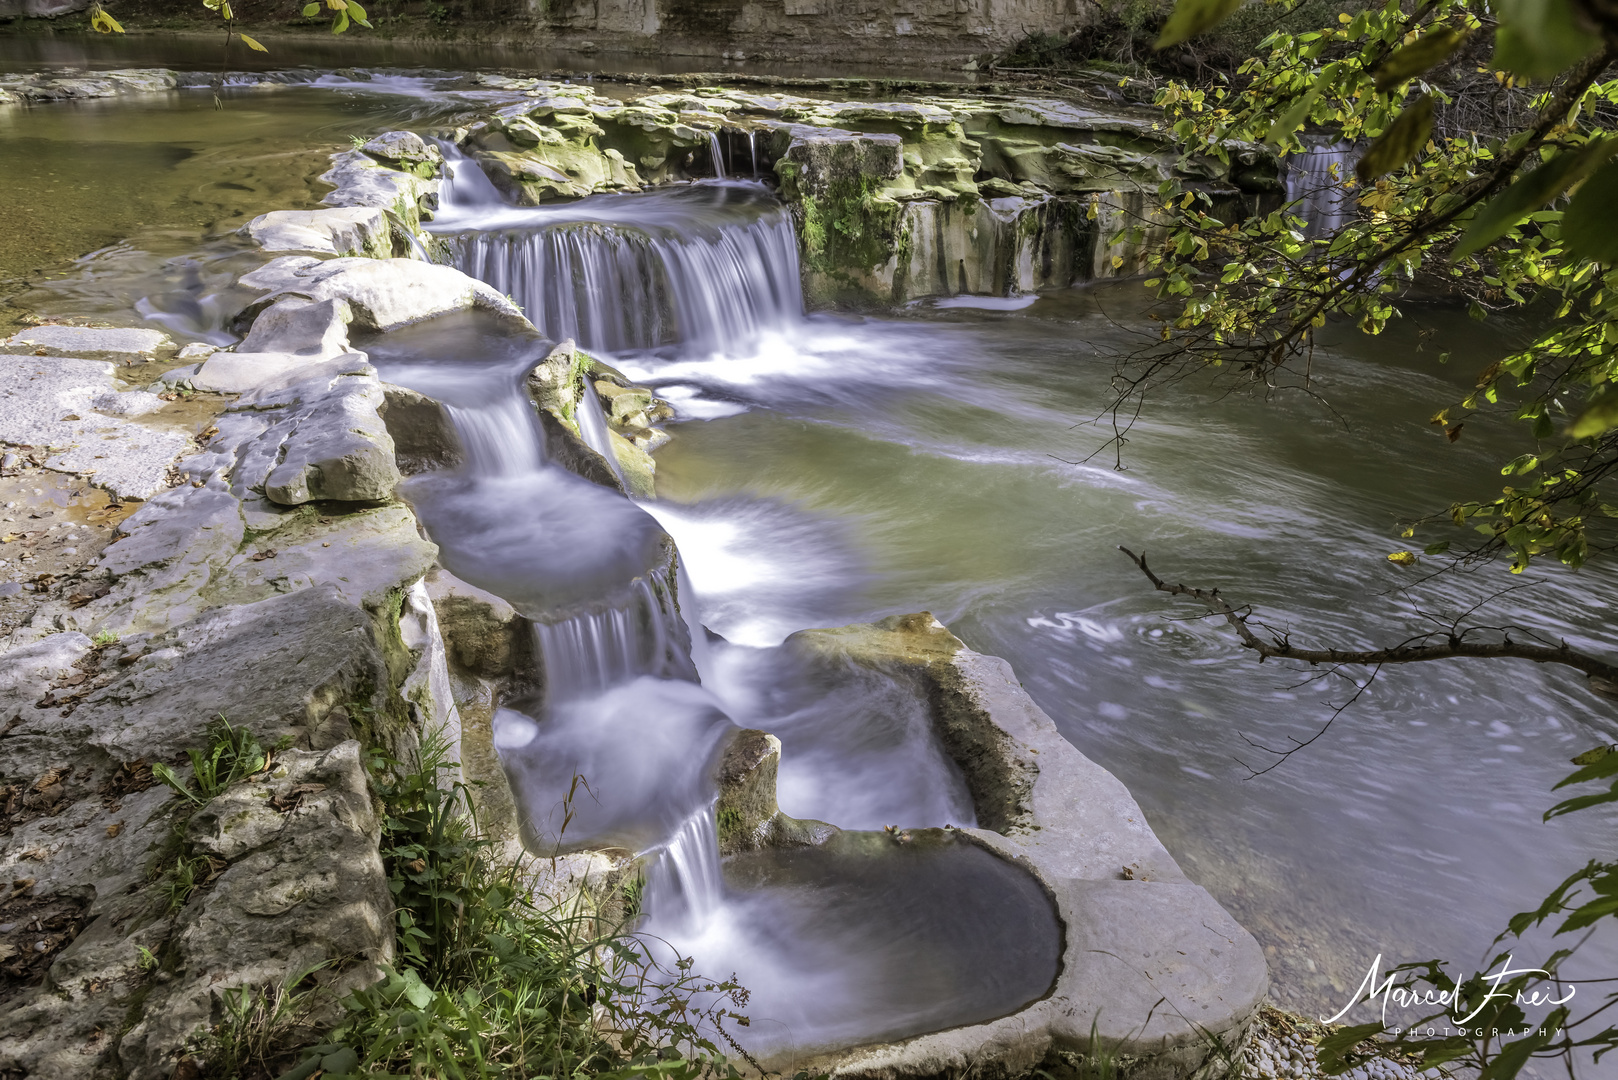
(752, 151)
(593, 427)
(718, 156)
(464, 184)
(1316, 183)
(500, 437)
(592, 652)
(683, 888)
(707, 267)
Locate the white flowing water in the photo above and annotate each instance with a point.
(836, 470)
(621, 749)
(717, 155)
(833, 470)
(707, 267)
(1317, 180)
(593, 429)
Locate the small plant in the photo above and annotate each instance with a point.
(263, 1026)
(357, 142)
(145, 960)
(490, 984)
(103, 639)
(183, 878)
(233, 754)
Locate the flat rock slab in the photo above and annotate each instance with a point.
(124, 343)
(70, 408)
(69, 85)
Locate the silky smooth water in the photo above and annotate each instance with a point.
(835, 469)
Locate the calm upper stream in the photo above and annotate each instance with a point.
(827, 470)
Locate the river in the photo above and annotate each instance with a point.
(828, 469)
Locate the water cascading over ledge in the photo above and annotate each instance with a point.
(705, 267)
(1049, 812)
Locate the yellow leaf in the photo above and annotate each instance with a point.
(102, 23)
(1403, 558)
(1117, 261)
(252, 44)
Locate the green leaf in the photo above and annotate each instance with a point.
(1590, 223)
(1332, 1048)
(311, 10)
(419, 993)
(1402, 141)
(1427, 51)
(1298, 115)
(1599, 416)
(340, 1061)
(1192, 17)
(1513, 1056)
(357, 13)
(339, 24)
(1540, 38)
(254, 45)
(1530, 192)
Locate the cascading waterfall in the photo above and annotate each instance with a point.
(500, 437)
(590, 653)
(718, 156)
(707, 266)
(1316, 180)
(620, 747)
(593, 428)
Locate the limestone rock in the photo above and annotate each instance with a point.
(244, 372)
(116, 343)
(359, 230)
(484, 634)
(340, 449)
(424, 437)
(384, 294)
(404, 148)
(749, 816)
(304, 886)
(62, 85)
(361, 181)
(303, 327)
(50, 402)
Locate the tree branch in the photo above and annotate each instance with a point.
(1436, 645)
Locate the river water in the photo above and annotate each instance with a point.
(829, 469)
